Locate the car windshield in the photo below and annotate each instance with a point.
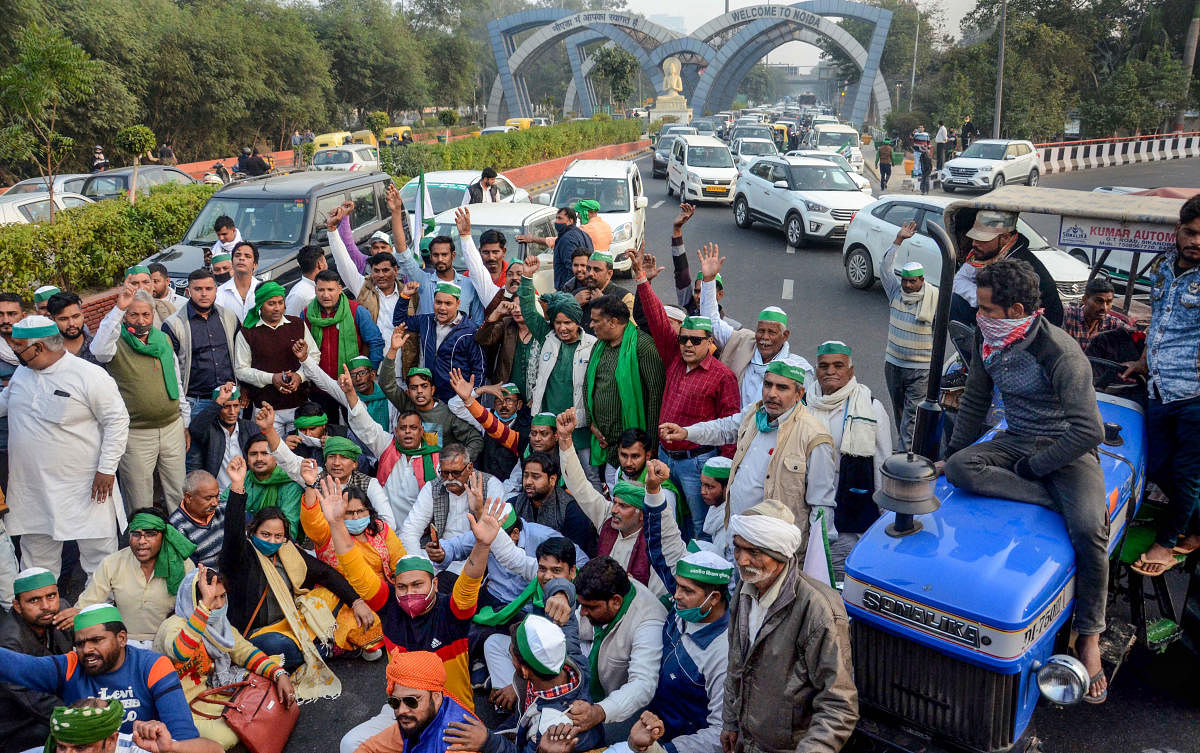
(664, 143)
(332, 157)
(837, 138)
(611, 193)
(833, 157)
(984, 151)
(759, 147)
(106, 185)
(37, 185)
(441, 195)
(709, 156)
(276, 221)
(821, 178)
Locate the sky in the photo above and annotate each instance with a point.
(698, 12)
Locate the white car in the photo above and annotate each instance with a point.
(875, 227)
(864, 185)
(747, 150)
(25, 208)
(990, 163)
(356, 157)
(448, 187)
(837, 138)
(701, 169)
(808, 198)
(617, 186)
(63, 182)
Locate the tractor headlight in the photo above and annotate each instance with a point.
(1063, 679)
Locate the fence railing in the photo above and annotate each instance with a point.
(1063, 156)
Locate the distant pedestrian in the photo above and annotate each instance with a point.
(926, 167)
(297, 139)
(968, 132)
(883, 163)
(309, 136)
(939, 139)
(166, 154)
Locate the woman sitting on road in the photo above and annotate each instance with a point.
(284, 600)
(208, 652)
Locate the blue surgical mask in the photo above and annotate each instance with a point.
(218, 614)
(694, 614)
(268, 548)
(357, 525)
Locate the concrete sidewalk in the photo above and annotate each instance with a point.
(900, 181)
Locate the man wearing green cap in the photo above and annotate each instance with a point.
(441, 258)
(31, 628)
(41, 295)
(447, 336)
(265, 360)
(140, 358)
(155, 711)
(599, 283)
(52, 502)
(594, 224)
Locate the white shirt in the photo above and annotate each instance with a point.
(241, 357)
(355, 280)
(941, 137)
(456, 521)
(300, 296)
(760, 605)
(481, 278)
(229, 298)
(233, 449)
(73, 411)
(174, 300)
(442, 330)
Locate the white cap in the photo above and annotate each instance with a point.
(675, 314)
(379, 235)
(541, 644)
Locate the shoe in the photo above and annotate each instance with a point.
(372, 655)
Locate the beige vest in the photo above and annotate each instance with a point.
(739, 351)
(613, 662)
(787, 473)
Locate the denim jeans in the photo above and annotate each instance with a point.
(194, 460)
(1173, 454)
(272, 644)
(687, 474)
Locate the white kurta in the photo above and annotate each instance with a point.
(66, 423)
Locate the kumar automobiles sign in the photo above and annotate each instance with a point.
(1119, 236)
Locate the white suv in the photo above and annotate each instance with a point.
(990, 163)
(701, 168)
(617, 186)
(808, 198)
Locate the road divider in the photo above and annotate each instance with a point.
(1065, 156)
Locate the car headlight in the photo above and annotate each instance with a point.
(623, 232)
(692, 177)
(812, 206)
(985, 169)
(264, 276)
(1063, 679)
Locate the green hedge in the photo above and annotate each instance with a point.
(90, 246)
(505, 151)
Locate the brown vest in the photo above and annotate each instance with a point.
(271, 351)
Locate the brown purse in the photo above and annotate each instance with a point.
(254, 713)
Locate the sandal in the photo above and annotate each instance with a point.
(1140, 566)
(1088, 697)
(1179, 549)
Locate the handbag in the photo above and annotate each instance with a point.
(254, 712)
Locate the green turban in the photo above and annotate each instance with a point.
(585, 208)
(562, 303)
(83, 726)
(176, 548)
(341, 446)
(263, 293)
(630, 494)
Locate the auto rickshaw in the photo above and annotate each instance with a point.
(521, 124)
(779, 134)
(334, 138)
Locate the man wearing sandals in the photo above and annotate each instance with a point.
(1169, 363)
(1047, 453)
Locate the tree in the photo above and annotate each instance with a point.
(136, 140)
(49, 74)
(757, 84)
(447, 117)
(375, 122)
(909, 23)
(616, 67)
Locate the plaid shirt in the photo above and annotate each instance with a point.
(708, 391)
(557, 691)
(1077, 328)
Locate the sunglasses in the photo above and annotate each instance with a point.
(449, 473)
(691, 339)
(411, 701)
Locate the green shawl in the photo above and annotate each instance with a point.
(157, 346)
(172, 557)
(343, 319)
(597, 690)
(629, 377)
(378, 406)
(277, 490)
(492, 618)
(426, 451)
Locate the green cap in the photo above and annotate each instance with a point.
(44, 293)
(717, 279)
(341, 446)
(630, 493)
(544, 419)
(137, 269)
(420, 371)
(705, 567)
(309, 422)
(235, 395)
(510, 389)
(785, 369)
(359, 362)
(413, 562)
(217, 258)
(718, 466)
(833, 346)
(911, 269)
(34, 327)
(509, 517)
(697, 322)
(773, 314)
(449, 288)
(603, 256)
(33, 578)
(97, 614)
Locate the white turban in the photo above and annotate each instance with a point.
(768, 526)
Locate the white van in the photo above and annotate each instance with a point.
(701, 168)
(834, 137)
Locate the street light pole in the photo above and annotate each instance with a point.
(912, 85)
(1000, 72)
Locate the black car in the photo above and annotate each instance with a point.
(662, 155)
(280, 214)
(114, 184)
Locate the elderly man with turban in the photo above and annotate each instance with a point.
(265, 360)
(423, 710)
(560, 364)
(790, 684)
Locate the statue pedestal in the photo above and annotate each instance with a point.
(671, 105)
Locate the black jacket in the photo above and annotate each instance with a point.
(209, 438)
(561, 512)
(568, 240)
(497, 459)
(475, 192)
(961, 311)
(24, 713)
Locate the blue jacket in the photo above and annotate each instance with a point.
(458, 350)
(1172, 347)
(568, 240)
(430, 739)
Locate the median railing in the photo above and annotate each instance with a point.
(1063, 156)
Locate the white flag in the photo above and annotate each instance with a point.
(818, 563)
(423, 212)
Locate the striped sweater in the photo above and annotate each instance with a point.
(207, 537)
(910, 342)
(182, 641)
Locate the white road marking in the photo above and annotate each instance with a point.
(787, 290)
(658, 203)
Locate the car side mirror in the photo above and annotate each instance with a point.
(321, 234)
(781, 184)
(1010, 156)
(642, 202)
(542, 198)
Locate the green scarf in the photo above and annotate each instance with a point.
(83, 726)
(492, 618)
(172, 557)
(629, 376)
(378, 406)
(597, 690)
(157, 346)
(426, 451)
(343, 320)
(277, 490)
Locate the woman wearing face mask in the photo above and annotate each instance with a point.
(284, 600)
(208, 652)
(691, 685)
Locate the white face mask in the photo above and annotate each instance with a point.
(308, 441)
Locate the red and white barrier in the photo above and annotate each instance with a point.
(1064, 156)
